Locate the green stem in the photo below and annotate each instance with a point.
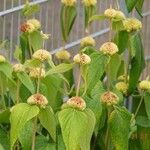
(34, 133)
(140, 103)
(79, 82)
(30, 48)
(107, 132)
(39, 80)
(108, 75)
(17, 92)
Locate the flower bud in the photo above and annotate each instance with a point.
(89, 2)
(144, 85)
(63, 55)
(82, 59)
(18, 68)
(69, 2)
(109, 98)
(122, 87)
(75, 102)
(35, 23)
(37, 99)
(87, 41)
(2, 59)
(132, 24)
(27, 27)
(109, 48)
(42, 55)
(110, 13)
(123, 78)
(35, 73)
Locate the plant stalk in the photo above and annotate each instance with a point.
(30, 48)
(79, 82)
(39, 80)
(140, 103)
(17, 92)
(34, 133)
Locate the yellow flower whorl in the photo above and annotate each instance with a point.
(27, 27)
(63, 55)
(69, 2)
(18, 68)
(110, 13)
(122, 87)
(35, 23)
(34, 72)
(144, 85)
(87, 41)
(132, 24)
(2, 59)
(109, 48)
(89, 2)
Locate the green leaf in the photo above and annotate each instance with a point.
(143, 121)
(36, 40)
(147, 103)
(119, 125)
(139, 6)
(130, 4)
(32, 63)
(117, 25)
(4, 116)
(20, 115)
(96, 18)
(26, 81)
(18, 54)
(6, 69)
(96, 69)
(26, 136)
(60, 68)
(89, 11)
(4, 140)
(113, 67)
(73, 123)
(121, 39)
(137, 62)
(47, 119)
(67, 19)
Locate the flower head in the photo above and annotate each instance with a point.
(36, 72)
(82, 59)
(110, 13)
(75, 102)
(109, 48)
(122, 87)
(109, 98)
(37, 99)
(119, 16)
(144, 85)
(27, 27)
(89, 2)
(35, 23)
(63, 55)
(2, 59)
(18, 68)
(87, 41)
(42, 55)
(123, 78)
(69, 2)
(132, 24)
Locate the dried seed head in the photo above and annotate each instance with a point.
(89, 2)
(109, 48)
(87, 41)
(35, 23)
(18, 68)
(63, 55)
(119, 16)
(42, 55)
(35, 73)
(144, 85)
(110, 13)
(69, 2)
(44, 36)
(109, 98)
(75, 102)
(27, 27)
(37, 99)
(83, 59)
(2, 59)
(132, 24)
(122, 87)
